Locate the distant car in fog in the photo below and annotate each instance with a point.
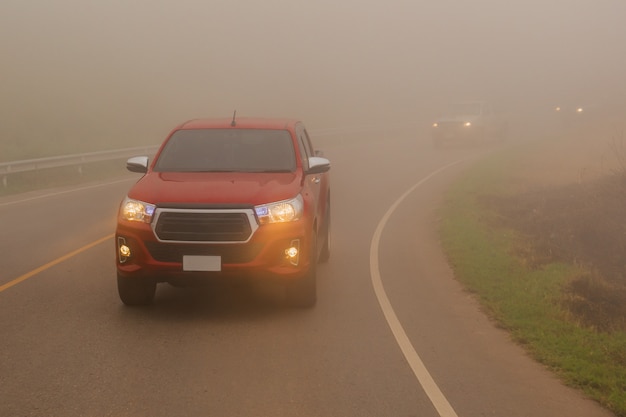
(575, 114)
(468, 122)
(224, 199)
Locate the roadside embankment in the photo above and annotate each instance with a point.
(536, 232)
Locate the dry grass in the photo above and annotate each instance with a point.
(570, 206)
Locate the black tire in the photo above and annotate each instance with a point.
(325, 253)
(136, 291)
(302, 292)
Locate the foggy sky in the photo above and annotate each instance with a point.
(137, 67)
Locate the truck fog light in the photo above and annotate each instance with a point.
(123, 250)
(292, 253)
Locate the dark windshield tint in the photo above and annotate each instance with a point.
(241, 150)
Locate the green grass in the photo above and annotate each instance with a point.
(528, 302)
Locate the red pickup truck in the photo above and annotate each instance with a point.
(241, 197)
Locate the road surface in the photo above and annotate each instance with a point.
(393, 334)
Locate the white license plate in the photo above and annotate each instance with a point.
(202, 263)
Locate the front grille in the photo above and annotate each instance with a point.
(203, 226)
(231, 254)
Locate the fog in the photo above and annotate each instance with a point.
(132, 69)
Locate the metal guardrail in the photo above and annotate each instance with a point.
(69, 160)
(7, 168)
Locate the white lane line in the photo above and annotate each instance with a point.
(435, 395)
(37, 197)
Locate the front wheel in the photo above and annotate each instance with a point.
(136, 291)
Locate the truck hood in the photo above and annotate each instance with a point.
(216, 187)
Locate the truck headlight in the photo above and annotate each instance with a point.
(467, 124)
(136, 211)
(281, 211)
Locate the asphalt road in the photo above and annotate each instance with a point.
(393, 334)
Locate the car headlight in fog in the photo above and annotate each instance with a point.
(467, 124)
(435, 124)
(136, 211)
(281, 211)
(579, 110)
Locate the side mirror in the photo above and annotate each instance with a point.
(137, 164)
(318, 165)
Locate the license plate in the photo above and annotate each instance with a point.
(202, 263)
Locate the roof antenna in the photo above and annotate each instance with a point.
(234, 123)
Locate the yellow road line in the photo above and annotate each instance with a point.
(53, 263)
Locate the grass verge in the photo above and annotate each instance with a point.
(525, 299)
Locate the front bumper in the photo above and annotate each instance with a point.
(263, 256)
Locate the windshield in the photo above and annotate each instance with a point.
(226, 150)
